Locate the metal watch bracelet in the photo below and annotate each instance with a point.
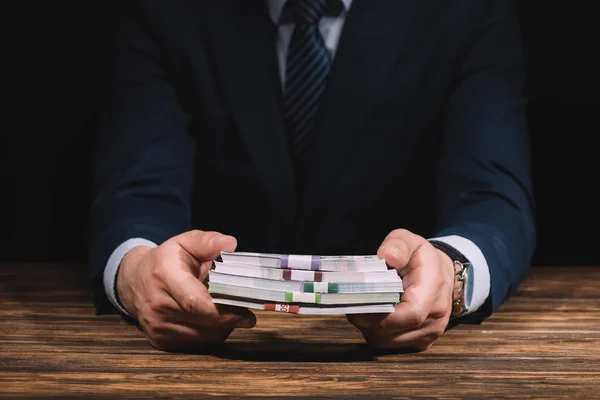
(459, 305)
(461, 276)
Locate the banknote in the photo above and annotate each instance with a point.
(307, 309)
(306, 286)
(307, 262)
(303, 297)
(304, 275)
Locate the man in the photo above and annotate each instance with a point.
(313, 127)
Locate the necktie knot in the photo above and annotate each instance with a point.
(309, 12)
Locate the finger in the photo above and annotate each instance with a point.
(421, 338)
(413, 346)
(166, 309)
(421, 286)
(205, 246)
(398, 248)
(194, 300)
(409, 314)
(383, 324)
(361, 321)
(364, 321)
(184, 336)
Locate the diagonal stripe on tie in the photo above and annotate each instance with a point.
(307, 66)
(305, 100)
(304, 86)
(300, 75)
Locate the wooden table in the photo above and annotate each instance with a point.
(543, 343)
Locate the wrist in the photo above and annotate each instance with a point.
(126, 276)
(447, 265)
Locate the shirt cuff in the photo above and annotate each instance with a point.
(112, 268)
(479, 273)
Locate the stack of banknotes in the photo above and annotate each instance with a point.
(305, 284)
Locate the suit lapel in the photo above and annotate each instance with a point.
(243, 41)
(372, 37)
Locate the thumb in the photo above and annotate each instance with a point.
(399, 247)
(205, 246)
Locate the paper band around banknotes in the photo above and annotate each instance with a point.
(295, 275)
(301, 262)
(296, 297)
(288, 308)
(321, 287)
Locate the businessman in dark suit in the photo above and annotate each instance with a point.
(312, 127)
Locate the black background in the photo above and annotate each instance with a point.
(57, 58)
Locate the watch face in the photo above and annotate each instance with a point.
(468, 287)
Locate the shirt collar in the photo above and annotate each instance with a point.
(276, 6)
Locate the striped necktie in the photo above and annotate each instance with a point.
(307, 65)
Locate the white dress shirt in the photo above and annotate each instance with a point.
(331, 29)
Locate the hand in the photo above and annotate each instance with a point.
(424, 311)
(163, 289)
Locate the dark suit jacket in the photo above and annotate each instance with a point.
(422, 127)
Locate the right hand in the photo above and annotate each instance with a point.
(162, 287)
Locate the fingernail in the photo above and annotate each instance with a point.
(393, 249)
(217, 239)
(222, 237)
(245, 323)
(214, 240)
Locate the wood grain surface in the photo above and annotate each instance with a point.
(543, 343)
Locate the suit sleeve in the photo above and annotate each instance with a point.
(484, 184)
(143, 155)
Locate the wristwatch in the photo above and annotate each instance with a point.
(461, 277)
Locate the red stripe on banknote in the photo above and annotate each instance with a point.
(318, 276)
(283, 307)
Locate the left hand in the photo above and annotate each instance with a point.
(424, 311)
